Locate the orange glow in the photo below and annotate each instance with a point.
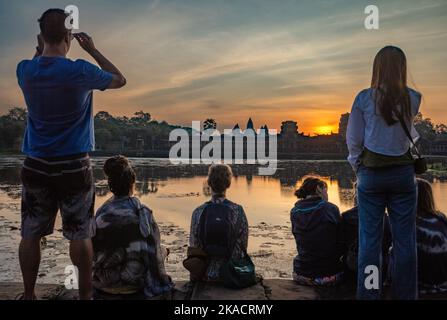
(324, 129)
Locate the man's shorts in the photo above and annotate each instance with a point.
(65, 184)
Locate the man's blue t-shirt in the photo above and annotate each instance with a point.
(58, 94)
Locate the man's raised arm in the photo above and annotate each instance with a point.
(86, 43)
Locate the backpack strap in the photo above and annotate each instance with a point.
(237, 227)
(200, 225)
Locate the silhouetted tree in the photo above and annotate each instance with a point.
(209, 124)
(425, 127)
(12, 126)
(16, 114)
(141, 118)
(103, 115)
(441, 129)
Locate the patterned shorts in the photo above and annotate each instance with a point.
(50, 185)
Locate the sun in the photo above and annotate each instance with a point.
(324, 129)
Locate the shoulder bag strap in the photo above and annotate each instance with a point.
(408, 134)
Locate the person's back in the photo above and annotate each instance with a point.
(128, 257)
(379, 137)
(431, 230)
(432, 253)
(316, 226)
(56, 173)
(237, 229)
(218, 227)
(58, 95)
(231, 240)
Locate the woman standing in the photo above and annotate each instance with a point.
(379, 152)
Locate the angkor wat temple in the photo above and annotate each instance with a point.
(291, 143)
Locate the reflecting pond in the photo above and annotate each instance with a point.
(173, 191)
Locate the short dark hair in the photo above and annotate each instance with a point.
(52, 25)
(120, 175)
(310, 187)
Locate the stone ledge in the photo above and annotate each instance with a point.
(279, 289)
(10, 290)
(210, 291)
(269, 289)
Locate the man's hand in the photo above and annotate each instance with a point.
(40, 46)
(40, 43)
(85, 41)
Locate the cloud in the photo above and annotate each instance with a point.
(230, 60)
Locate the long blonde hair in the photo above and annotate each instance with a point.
(426, 201)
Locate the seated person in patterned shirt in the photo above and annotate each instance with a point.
(128, 257)
(431, 231)
(219, 227)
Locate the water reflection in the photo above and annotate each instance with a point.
(174, 190)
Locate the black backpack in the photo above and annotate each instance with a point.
(216, 233)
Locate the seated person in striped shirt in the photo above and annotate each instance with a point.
(431, 231)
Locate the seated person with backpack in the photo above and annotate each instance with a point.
(219, 237)
(128, 257)
(317, 228)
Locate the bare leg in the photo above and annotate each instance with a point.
(81, 254)
(29, 257)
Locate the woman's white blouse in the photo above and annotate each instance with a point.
(367, 129)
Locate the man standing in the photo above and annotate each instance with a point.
(56, 173)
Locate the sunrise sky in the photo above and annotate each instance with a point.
(272, 60)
